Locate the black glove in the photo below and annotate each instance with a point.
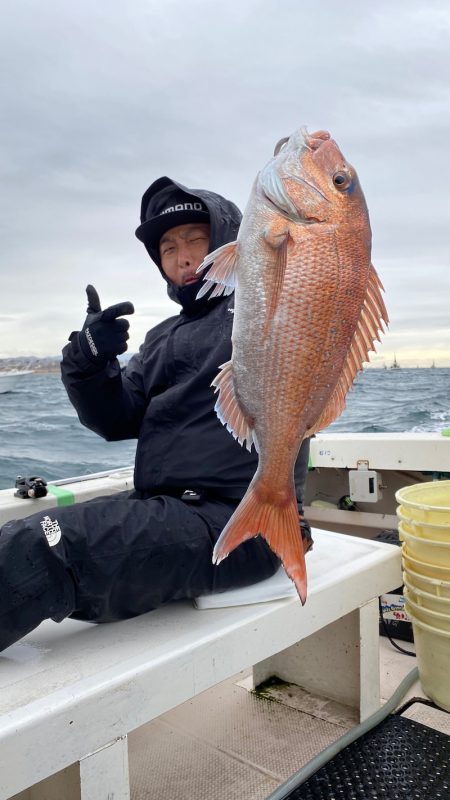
(103, 336)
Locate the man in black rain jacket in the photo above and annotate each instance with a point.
(116, 557)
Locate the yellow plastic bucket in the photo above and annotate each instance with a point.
(425, 599)
(426, 502)
(433, 618)
(433, 660)
(425, 583)
(427, 550)
(424, 568)
(425, 530)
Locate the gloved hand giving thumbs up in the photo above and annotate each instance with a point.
(103, 336)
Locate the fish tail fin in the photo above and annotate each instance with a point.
(277, 522)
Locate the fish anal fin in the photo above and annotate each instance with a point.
(221, 272)
(278, 523)
(228, 409)
(372, 319)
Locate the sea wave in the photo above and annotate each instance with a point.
(41, 434)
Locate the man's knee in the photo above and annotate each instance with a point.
(34, 585)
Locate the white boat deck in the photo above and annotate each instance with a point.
(61, 693)
(230, 744)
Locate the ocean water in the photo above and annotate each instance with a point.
(40, 433)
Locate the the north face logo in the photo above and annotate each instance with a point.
(52, 530)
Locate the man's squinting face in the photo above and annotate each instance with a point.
(182, 249)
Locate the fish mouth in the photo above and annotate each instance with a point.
(314, 140)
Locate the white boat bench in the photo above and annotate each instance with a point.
(71, 692)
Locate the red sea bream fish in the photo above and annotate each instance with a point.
(308, 308)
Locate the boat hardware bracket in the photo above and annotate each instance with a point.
(364, 484)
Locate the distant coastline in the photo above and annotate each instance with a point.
(41, 365)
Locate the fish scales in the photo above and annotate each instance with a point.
(307, 310)
(303, 326)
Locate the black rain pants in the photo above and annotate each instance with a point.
(115, 557)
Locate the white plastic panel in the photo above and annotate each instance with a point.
(396, 451)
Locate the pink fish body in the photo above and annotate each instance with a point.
(308, 308)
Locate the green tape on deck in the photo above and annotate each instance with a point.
(63, 496)
(310, 463)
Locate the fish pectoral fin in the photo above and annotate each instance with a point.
(228, 409)
(372, 318)
(276, 232)
(277, 237)
(221, 272)
(277, 523)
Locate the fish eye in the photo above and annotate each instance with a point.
(341, 180)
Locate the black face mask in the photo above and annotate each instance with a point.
(186, 297)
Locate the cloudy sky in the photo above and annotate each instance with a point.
(99, 99)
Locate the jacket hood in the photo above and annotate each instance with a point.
(224, 219)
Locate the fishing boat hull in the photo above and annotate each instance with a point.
(11, 378)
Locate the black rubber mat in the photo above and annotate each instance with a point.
(399, 759)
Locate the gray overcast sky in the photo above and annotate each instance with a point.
(99, 99)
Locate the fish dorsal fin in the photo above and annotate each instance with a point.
(373, 315)
(221, 274)
(228, 409)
